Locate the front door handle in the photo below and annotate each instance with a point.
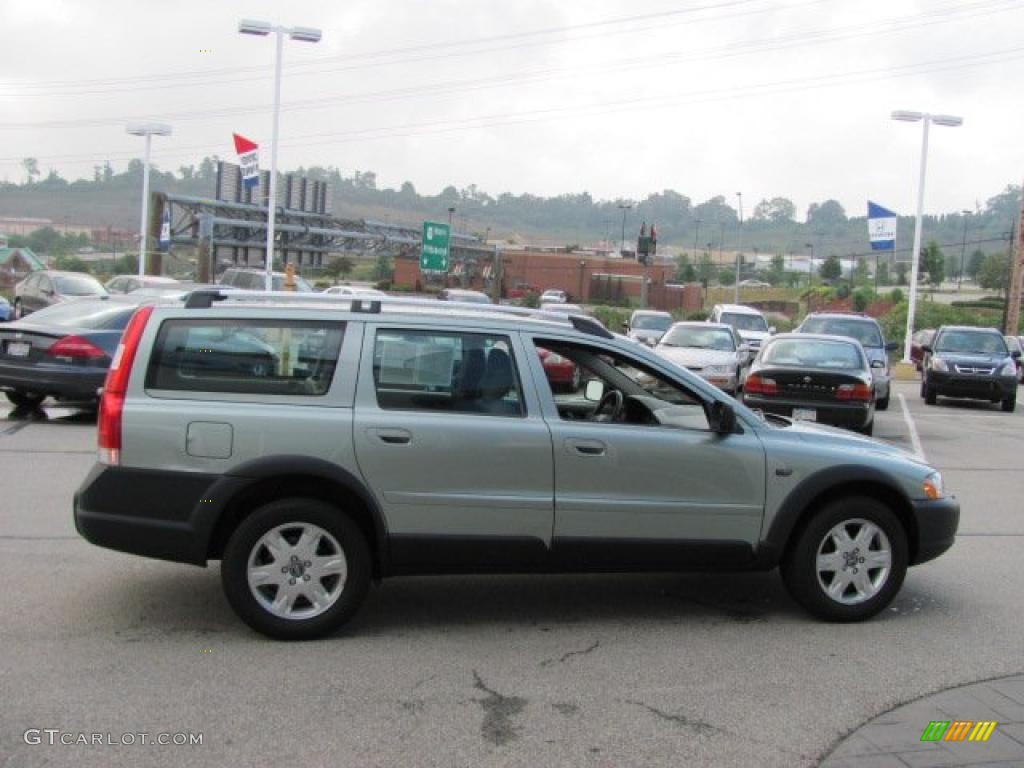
(586, 447)
(393, 436)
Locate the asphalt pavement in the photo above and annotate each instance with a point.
(606, 670)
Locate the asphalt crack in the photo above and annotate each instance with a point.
(499, 710)
(700, 727)
(569, 654)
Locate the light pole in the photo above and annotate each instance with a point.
(302, 34)
(624, 207)
(451, 216)
(739, 250)
(149, 130)
(695, 236)
(963, 252)
(915, 255)
(810, 265)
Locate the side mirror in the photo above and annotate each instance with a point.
(927, 348)
(722, 418)
(771, 330)
(878, 363)
(625, 325)
(891, 346)
(594, 390)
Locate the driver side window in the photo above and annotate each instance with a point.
(591, 384)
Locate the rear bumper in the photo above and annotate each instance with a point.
(937, 522)
(975, 387)
(167, 515)
(849, 415)
(56, 381)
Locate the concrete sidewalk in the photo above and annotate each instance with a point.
(893, 740)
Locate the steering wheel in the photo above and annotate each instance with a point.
(613, 402)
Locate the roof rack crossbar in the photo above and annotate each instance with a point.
(205, 299)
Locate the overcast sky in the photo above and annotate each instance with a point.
(615, 97)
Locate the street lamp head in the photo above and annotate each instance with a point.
(148, 129)
(250, 27)
(948, 120)
(907, 117)
(305, 34)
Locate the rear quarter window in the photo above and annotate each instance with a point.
(246, 357)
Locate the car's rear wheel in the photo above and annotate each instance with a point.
(25, 399)
(19, 310)
(296, 569)
(882, 404)
(868, 429)
(1010, 403)
(848, 562)
(928, 394)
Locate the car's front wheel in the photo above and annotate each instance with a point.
(848, 562)
(19, 310)
(296, 569)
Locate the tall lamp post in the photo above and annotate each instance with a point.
(963, 251)
(623, 207)
(302, 34)
(149, 130)
(926, 119)
(739, 253)
(695, 236)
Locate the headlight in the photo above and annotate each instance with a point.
(933, 487)
(938, 364)
(1009, 369)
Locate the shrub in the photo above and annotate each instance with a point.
(862, 298)
(896, 296)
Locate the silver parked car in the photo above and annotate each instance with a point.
(647, 326)
(313, 446)
(713, 351)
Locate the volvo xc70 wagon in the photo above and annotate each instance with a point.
(314, 445)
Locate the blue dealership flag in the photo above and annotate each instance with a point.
(881, 228)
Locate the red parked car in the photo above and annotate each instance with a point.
(920, 339)
(563, 374)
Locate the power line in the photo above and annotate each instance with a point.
(659, 60)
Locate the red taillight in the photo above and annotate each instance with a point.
(859, 392)
(108, 433)
(75, 347)
(755, 385)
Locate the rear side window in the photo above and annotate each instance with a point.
(461, 372)
(264, 357)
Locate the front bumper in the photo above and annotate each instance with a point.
(994, 388)
(848, 415)
(936, 521)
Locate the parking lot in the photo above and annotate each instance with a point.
(608, 670)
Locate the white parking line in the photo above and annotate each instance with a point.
(915, 439)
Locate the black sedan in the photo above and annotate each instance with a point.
(813, 377)
(44, 288)
(972, 363)
(62, 351)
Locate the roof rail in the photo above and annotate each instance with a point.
(205, 299)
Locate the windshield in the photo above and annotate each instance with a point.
(77, 285)
(813, 353)
(970, 343)
(96, 313)
(696, 337)
(301, 285)
(745, 322)
(864, 331)
(651, 322)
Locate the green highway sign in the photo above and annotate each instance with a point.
(434, 249)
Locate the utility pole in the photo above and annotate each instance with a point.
(739, 253)
(624, 207)
(498, 277)
(1012, 324)
(963, 252)
(695, 236)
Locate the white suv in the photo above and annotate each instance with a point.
(748, 322)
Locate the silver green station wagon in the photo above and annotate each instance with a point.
(314, 444)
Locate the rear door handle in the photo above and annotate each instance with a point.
(586, 447)
(393, 436)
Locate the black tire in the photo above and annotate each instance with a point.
(930, 398)
(25, 399)
(1010, 403)
(883, 403)
(799, 566)
(868, 429)
(240, 546)
(19, 311)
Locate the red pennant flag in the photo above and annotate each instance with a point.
(654, 233)
(243, 145)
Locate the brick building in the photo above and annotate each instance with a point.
(585, 277)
